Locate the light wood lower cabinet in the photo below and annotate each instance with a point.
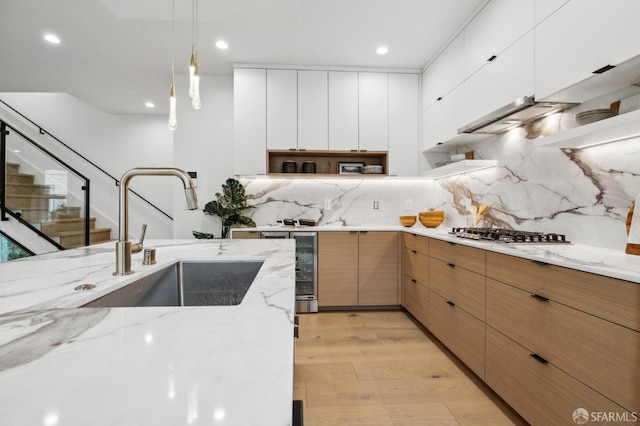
(579, 344)
(460, 331)
(337, 269)
(541, 393)
(246, 235)
(357, 269)
(415, 299)
(459, 285)
(470, 258)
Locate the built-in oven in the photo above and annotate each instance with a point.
(306, 267)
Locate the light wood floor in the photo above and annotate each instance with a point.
(381, 368)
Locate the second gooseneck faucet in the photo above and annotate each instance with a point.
(123, 246)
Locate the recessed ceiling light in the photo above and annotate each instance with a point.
(221, 44)
(149, 104)
(51, 38)
(382, 50)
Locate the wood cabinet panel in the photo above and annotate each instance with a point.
(337, 269)
(415, 299)
(466, 257)
(609, 298)
(541, 393)
(459, 331)
(416, 242)
(461, 286)
(578, 343)
(378, 268)
(246, 235)
(416, 265)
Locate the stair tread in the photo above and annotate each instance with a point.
(43, 196)
(80, 232)
(66, 220)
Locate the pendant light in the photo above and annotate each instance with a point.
(173, 122)
(194, 74)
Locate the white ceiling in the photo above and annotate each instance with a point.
(116, 54)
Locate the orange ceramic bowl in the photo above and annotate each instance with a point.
(407, 221)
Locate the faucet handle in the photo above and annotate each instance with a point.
(135, 248)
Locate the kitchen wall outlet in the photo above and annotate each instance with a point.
(376, 205)
(327, 204)
(408, 204)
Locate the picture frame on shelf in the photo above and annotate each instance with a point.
(350, 168)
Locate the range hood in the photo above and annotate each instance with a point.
(518, 113)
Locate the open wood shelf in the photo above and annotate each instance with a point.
(326, 162)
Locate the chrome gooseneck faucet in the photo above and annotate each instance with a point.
(123, 246)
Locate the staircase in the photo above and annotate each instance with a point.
(64, 226)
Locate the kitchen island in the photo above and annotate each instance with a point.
(214, 365)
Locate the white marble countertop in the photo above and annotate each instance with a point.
(219, 365)
(597, 260)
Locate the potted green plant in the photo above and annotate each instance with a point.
(230, 207)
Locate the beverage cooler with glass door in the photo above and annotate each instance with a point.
(306, 267)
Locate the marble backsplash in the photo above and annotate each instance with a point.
(584, 194)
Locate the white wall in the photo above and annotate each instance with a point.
(203, 143)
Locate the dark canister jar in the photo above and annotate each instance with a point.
(309, 167)
(289, 167)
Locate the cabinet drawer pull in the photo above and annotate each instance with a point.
(539, 358)
(450, 303)
(451, 265)
(296, 332)
(541, 263)
(414, 251)
(452, 243)
(540, 298)
(414, 281)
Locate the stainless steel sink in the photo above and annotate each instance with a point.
(187, 283)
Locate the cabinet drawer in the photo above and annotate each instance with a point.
(460, 331)
(599, 353)
(415, 299)
(463, 287)
(246, 235)
(469, 258)
(541, 393)
(416, 265)
(609, 298)
(415, 242)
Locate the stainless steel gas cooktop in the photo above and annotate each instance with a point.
(503, 235)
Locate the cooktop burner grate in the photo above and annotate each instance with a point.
(504, 235)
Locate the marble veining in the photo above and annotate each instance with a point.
(62, 364)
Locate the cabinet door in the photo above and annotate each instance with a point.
(343, 110)
(378, 268)
(541, 393)
(249, 121)
(404, 124)
(337, 269)
(282, 109)
(495, 28)
(415, 299)
(581, 37)
(444, 74)
(507, 78)
(545, 8)
(313, 113)
(373, 111)
(443, 119)
(245, 235)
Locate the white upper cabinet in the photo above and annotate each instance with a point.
(445, 73)
(373, 107)
(282, 109)
(495, 28)
(544, 8)
(404, 124)
(582, 37)
(507, 78)
(441, 120)
(313, 110)
(250, 121)
(343, 110)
